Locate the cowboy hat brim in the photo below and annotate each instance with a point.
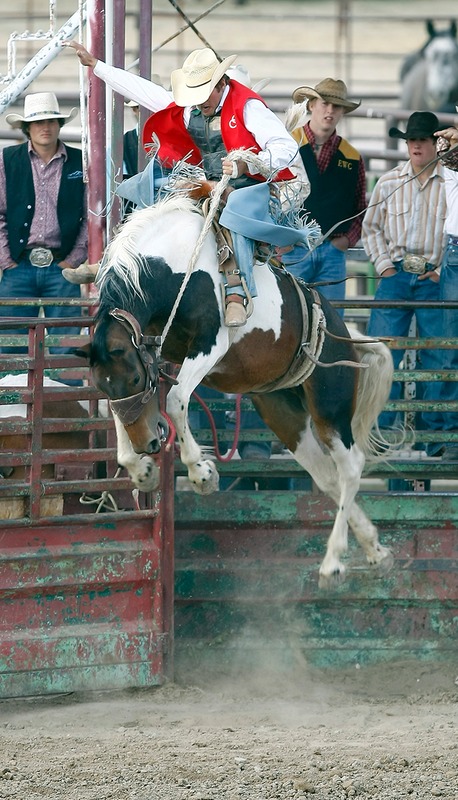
(185, 95)
(16, 120)
(413, 133)
(307, 93)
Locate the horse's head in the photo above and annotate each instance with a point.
(124, 367)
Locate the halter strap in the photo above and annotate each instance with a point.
(128, 409)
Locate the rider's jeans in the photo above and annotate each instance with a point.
(243, 252)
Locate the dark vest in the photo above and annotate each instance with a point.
(333, 192)
(206, 133)
(20, 199)
(131, 152)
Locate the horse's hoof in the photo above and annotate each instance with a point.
(331, 580)
(207, 479)
(384, 564)
(147, 476)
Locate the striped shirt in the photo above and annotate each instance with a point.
(44, 230)
(405, 216)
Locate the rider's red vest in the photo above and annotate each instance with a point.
(176, 143)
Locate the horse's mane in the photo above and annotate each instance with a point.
(121, 260)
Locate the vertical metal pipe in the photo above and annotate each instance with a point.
(96, 126)
(116, 115)
(145, 65)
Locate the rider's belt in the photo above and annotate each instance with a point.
(416, 264)
(453, 240)
(42, 256)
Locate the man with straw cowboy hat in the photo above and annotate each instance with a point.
(43, 222)
(337, 179)
(206, 115)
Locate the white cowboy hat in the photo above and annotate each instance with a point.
(240, 73)
(42, 105)
(195, 81)
(330, 90)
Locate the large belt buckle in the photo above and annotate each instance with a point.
(41, 257)
(415, 264)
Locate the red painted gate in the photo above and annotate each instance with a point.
(86, 573)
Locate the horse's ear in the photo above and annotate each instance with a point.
(453, 28)
(430, 28)
(83, 352)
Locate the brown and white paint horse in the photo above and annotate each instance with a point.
(324, 413)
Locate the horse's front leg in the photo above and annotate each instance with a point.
(142, 469)
(202, 472)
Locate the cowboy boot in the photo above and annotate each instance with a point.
(85, 273)
(235, 315)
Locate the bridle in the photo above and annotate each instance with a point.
(128, 409)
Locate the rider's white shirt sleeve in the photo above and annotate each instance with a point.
(451, 191)
(278, 148)
(145, 92)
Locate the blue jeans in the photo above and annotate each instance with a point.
(23, 281)
(325, 263)
(447, 390)
(396, 322)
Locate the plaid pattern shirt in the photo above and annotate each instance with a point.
(325, 155)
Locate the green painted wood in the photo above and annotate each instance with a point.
(246, 581)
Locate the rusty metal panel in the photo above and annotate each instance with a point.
(86, 598)
(81, 607)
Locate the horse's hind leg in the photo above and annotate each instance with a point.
(342, 484)
(366, 535)
(339, 475)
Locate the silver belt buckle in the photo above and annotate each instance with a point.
(41, 257)
(415, 264)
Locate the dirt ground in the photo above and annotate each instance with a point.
(378, 732)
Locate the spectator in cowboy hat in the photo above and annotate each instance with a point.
(337, 180)
(207, 115)
(43, 222)
(403, 235)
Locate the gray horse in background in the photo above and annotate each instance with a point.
(429, 76)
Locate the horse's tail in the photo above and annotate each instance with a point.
(374, 387)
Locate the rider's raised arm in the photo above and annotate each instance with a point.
(147, 94)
